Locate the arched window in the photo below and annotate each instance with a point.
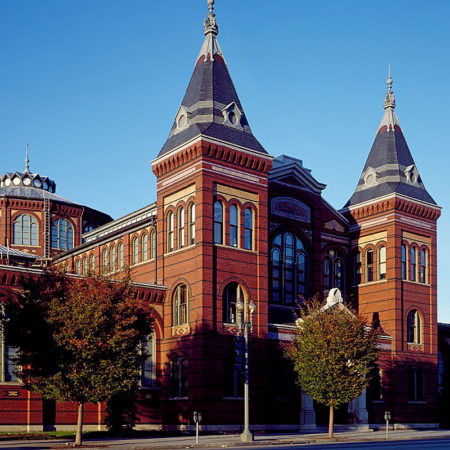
(357, 267)
(423, 266)
(105, 261)
(148, 366)
(382, 263)
(231, 294)
(327, 273)
(152, 244)
(120, 255)
(290, 269)
(248, 229)
(92, 264)
(112, 259)
(414, 327)
(62, 234)
(78, 266)
(369, 265)
(180, 305)
(135, 250)
(25, 230)
(144, 247)
(234, 226)
(333, 271)
(404, 263)
(413, 276)
(192, 224)
(180, 225)
(218, 222)
(85, 265)
(170, 231)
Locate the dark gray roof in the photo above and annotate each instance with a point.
(31, 193)
(390, 168)
(209, 96)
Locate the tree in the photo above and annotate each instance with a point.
(332, 353)
(78, 339)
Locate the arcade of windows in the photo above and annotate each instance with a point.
(143, 248)
(333, 271)
(374, 265)
(240, 226)
(414, 263)
(181, 233)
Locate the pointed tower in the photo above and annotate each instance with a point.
(212, 194)
(393, 231)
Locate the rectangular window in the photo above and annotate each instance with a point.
(147, 373)
(8, 367)
(415, 385)
(369, 265)
(382, 263)
(404, 272)
(178, 383)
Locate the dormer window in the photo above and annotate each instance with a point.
(412, 174)
(232, 115)
(370, 177)
(182, 119)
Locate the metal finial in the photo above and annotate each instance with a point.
(389, 101)
(27, 161)
(210, 21)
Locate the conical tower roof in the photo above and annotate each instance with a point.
(390, 167)
(211, 106)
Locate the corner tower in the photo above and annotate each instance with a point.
(212, 190)
(393, 236)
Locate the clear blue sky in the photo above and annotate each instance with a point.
(94, 86)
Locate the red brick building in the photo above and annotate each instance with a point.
(231, 222)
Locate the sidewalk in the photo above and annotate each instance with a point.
(232, 440)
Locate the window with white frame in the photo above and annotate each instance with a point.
(62, 234)
(232, 293)
(382, 263)
(234, 234)
(192, 224)
(180, 305)
(148, 366)
(180, 228)
(25, 230)
(218, 222)
(414, 327)
(248, 229)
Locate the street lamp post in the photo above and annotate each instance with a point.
(245, 323)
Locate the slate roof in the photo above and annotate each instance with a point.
(5, 252)
(209, 99)
(390, 167)
(31, 193)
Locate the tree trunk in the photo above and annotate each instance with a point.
(79, 437)
(331, 422)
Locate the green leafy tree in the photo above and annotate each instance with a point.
(332, 354)
(78, 339)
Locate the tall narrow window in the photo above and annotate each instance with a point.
(233, 379)
(357, 268)
(218, 222)
(62, 234)
(382, 263)
(153, 244)
(339, 274)
(180, 224)
(414, 327)
(135, 250)
(369, 265)
(78, 266)
(120, 255)
(248, 225)
(192, 224)
(180, 305)
(415, 385)
(105, 261)
(276, 275)
(289, 260)
(148, 366)
(413, 264)
(327, 274)
(423, 266)
(85, 265)
(144, 247)
(178, 378)
(170, 231)
(9, 370)
(92, 264)
(25, 230)
(231, 295)
(404, 265)
(112, 259)
(233, 225)
(301, 274)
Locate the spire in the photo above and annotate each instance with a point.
(390, 167)
(211, 107)
(210, 46)
(27, 161)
